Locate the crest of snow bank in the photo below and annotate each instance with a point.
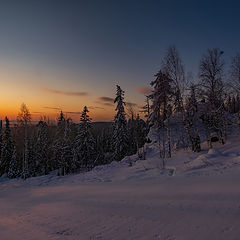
(215, 158)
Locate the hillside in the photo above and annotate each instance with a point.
(196, 197)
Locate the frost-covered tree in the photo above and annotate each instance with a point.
(7, 148)
(161, 97)
(84, 141)
(161, 111)
(120, 134)
(172, 66)
(211, 76)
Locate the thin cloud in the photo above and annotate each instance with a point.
(105, 103)
(53, 108)
(144, 90)
(76, 94)
(106, 99)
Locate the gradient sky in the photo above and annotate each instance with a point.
(66, 54)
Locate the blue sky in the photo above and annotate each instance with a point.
(89, 46)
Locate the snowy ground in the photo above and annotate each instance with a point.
(198, 197)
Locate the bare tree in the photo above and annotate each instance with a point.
(211, 76)
(24, 119)
(24, 116)
(173, 67)
(131, 111)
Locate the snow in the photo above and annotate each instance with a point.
(196, 197)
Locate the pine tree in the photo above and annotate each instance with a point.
(7, 149)
(120, 134)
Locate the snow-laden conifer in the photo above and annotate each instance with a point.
(7, 148)
(84, 141)
(120, 134)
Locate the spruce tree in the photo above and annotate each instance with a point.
(161, 112)
(84, 142)
(7, 149)
(120, 134)
(161, 97)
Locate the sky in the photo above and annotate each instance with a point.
(65, 54)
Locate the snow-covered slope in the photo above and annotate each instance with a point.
(197, 197)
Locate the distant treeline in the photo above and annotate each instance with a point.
(28, 150)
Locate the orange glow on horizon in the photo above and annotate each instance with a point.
(47, 93)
